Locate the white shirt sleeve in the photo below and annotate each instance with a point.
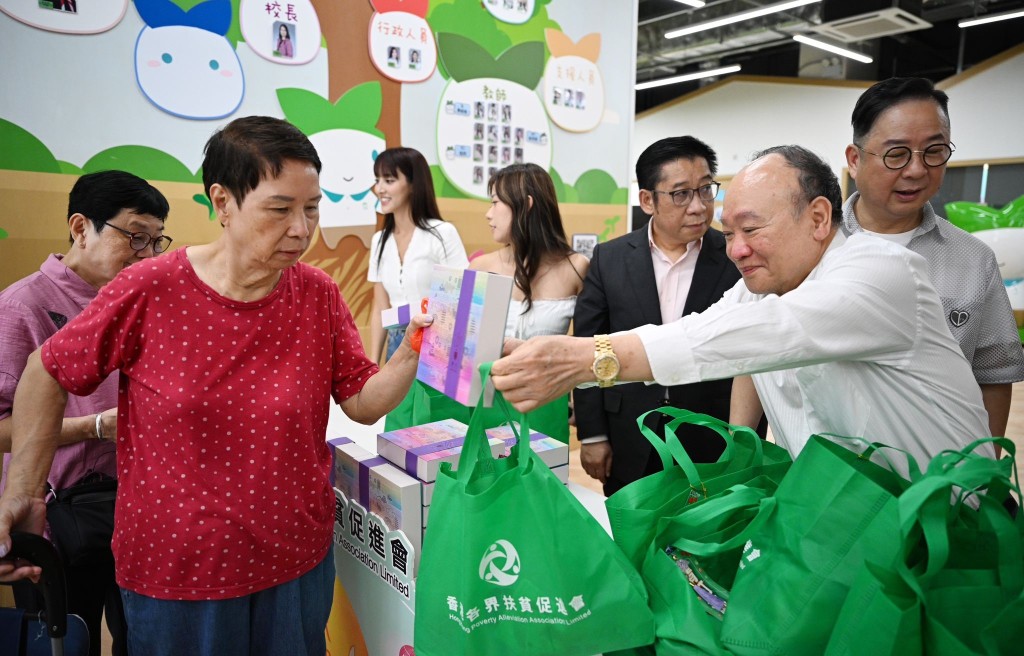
(858, 304)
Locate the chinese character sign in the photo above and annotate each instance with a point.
(283, 31)
(401, 42)
(510, 11)
(573, 88)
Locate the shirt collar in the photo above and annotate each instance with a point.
(72, 284)
(693, 246)
(930, 220)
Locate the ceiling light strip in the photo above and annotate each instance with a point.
(814, 43)
(989, 19)
(736, 18)
(688, 77)
(697, 4)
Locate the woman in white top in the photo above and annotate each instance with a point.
(403, 254)
(548, 274)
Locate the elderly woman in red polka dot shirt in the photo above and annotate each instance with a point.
(229, 355)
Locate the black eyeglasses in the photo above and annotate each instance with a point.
(898, 157)
(139, 240)
(682, 197)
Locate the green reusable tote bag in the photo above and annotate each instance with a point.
(881, 617)
(513, 563)
(974, 568)
(967, 570)
(691, 564)
(834, 510)
(634, 511)
(424, 404)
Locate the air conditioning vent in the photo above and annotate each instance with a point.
(872, 25)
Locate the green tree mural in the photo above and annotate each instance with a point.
(468, 18)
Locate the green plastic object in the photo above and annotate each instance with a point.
(973, 217)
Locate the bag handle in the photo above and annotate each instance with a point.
(722, 505)
(522, 435)
(926, 503)
(727, 432)
(476, 452)
(913, 469)
(671, 449)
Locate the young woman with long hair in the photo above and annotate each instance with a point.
(414, 238)
(524, 218)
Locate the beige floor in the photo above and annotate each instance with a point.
(1014, 430)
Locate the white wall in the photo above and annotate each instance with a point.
(744, 114)
(741, 117)
(986, 111)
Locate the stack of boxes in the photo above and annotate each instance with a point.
(553, 453)
(398, 484)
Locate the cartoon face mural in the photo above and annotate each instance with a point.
(348, 142)
(347, 177)
(183, 63)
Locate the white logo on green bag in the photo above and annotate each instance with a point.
(749, 555)
(500, 564)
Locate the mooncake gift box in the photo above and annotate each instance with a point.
(379, 487)
(553, 452)
(469, 309)
(396, 317)
(420, 450)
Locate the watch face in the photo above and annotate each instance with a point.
(606, 367)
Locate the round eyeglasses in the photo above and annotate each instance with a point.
(139, 240)
(682, 197)
(898, 157)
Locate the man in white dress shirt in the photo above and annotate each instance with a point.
(842, 334)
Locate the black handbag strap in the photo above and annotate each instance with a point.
(91, 483)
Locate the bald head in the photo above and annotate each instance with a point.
(774, 233)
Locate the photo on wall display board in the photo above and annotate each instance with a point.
(480, 118)
(286, 33)
(401, 43)
(67, 16)
(70, 6)
(284, 38)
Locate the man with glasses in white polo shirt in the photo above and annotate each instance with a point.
(901, 143)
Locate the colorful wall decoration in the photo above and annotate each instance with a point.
(141, 84)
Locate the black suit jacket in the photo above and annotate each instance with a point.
(620, 293)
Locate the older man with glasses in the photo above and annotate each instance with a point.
(901, 143)
(114, 220)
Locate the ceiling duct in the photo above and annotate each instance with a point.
(872, 25)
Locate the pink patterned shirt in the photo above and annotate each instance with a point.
(31, 310)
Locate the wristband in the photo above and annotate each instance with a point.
(99, 430)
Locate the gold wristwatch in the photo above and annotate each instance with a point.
(606, 365)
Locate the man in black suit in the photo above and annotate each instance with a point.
(672, 267)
